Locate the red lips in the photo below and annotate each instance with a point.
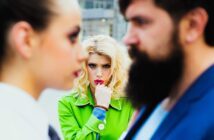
(100, 82)
(77, 73)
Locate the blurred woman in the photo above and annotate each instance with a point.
(97, 108)
(39, 49)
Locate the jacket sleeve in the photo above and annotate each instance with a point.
(70, 127)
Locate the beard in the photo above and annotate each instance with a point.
(150, 81)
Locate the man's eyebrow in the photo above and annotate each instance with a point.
(136, 18)
(140, 19)
(133, 18)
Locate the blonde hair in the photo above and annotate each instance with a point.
(120, 61)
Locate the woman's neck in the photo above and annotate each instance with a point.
(23, 80)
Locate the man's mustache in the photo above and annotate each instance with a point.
(134, 52)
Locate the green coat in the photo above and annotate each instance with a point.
(77, 121)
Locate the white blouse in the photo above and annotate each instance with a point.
(21, 116)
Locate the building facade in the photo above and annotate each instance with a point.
(102, 17)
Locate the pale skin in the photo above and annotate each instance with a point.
(149, 37)
(47, 59)
(99, 68)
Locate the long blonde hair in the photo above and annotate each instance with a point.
(120, 61)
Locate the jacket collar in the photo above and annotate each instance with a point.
(28, 110)
(88, 99)
(194, 93)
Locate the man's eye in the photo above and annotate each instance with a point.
(107, 66)
(92, 66)
(141, 21)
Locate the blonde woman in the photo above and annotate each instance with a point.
(97, 108)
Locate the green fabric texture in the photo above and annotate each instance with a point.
(78, 123)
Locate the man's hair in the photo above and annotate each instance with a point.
(36, 12)
(178, 8)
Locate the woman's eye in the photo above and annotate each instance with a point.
(92, 66)
(107, 66)
(73, 37)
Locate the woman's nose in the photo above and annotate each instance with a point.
(99, 73)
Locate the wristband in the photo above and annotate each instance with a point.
(103, 107)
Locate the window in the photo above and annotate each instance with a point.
(89, 4)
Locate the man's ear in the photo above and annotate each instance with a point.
(21, 36)
(193, 25)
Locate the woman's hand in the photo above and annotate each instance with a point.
(103, 96)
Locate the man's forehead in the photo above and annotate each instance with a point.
(138, 8)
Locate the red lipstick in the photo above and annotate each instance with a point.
(100, 82)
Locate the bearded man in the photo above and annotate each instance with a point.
(171, 80)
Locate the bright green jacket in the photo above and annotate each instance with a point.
(77, 121)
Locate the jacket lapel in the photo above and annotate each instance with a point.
(85, 100)
(193, 94)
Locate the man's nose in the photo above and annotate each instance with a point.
(126, 39)
(130, 37)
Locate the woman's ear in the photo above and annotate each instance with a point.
(193, 25)
(20, 38)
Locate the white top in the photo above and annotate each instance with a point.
(152, 123)
(21, 117)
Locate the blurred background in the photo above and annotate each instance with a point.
(99, 17)
(102, 17)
